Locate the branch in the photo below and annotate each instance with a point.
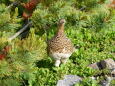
(19, 32)
(82, 8)
(14, 4)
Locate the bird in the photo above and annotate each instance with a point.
(60, 47)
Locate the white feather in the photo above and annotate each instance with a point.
(60, 55)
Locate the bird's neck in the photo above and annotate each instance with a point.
(60, 29)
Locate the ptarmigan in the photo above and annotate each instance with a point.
(60, 46)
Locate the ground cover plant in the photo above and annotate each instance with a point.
(90, 26)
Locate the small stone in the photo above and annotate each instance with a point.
(69, 80)
(108, 63)
(107, 81)
(104, 83)
(93, 78)
(113, 73)
(95, 65)
(61, 83)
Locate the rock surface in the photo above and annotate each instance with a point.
(104, 83)
(105, 64)
(113, 73)
(108, 63)
(69, 80)
(107, 82)
(95, 65)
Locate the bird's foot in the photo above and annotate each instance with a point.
(57, 63)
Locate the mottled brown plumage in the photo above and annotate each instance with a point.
(60, 47)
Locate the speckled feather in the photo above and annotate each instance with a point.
(60, 43)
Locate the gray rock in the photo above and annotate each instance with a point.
(113, 73)
(104, 83)
(95, 65)
(69, 80)
(108, 63)
(107, 81)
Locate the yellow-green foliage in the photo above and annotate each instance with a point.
(21, 59)
(9, 20)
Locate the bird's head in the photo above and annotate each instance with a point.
(62, 21)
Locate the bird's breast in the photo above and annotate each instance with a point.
(57, 55)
